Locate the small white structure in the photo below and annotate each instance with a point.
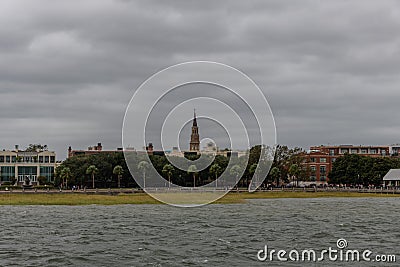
(392, 178)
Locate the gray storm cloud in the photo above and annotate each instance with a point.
(330, 69)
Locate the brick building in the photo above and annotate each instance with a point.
(320, 159)
(98, 149)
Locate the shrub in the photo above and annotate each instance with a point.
(42, 180)
(41, 187)
(9, 187)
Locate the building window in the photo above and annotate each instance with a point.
(313, 168)
(383, 152)
(322, 169)
(373, 151)
(27, 173)
(14, 159)
(354, 151)
(8, 159)
(331, 152)
(364, 151)
(1, 158)
(344, 150)
(322, 178)
(40, 159)
(323, 160)
(313, 178)
(7, 173)
(48, 172)
(333, 160)
(46, 159)
(52, 159)
(312, 160)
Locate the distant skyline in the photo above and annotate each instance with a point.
(329, 69)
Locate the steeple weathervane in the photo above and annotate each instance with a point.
(194, 118)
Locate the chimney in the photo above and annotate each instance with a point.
(150, 148)
(16, 148)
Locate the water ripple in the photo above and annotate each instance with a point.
(214, 235)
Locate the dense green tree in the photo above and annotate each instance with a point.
(346, 169)
(284, 157)
(353, 169)
(275, 173)
(252, 171)
(42, 180)
(254, 154)
(105, 163)
(35, 147)
(294, 172)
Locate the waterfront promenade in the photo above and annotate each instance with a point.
(116, 191)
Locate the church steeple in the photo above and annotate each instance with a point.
(195, 138)
(194, 118)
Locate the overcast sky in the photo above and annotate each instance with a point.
(329, 69)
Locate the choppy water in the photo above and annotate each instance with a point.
(214, 235)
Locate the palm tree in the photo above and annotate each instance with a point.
(235, 170)
(252, 170)
(144, 166)
(216, 170)
(193, 169)
(294, 172)
(92, 170)
(168, 169)
(65, 175)
(275, 174)
(57, 174)
(118, 170)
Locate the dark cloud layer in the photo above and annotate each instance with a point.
(330, 69)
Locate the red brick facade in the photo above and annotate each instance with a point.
(320, 159)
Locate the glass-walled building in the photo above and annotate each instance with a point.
(24, 167)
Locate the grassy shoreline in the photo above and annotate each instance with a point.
(141, 198)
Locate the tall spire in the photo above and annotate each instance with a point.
(194, 118)
(195, 138)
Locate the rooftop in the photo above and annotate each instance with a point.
(392, 175)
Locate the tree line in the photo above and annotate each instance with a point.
(106, 170)
(353, 169)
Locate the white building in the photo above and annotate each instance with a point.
(394, 150)
(27, 166)
(392, 178)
